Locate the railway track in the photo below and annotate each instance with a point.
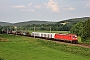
(67, 43)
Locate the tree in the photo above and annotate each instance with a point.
(77, 28)
(86, 31)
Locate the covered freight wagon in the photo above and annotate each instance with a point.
(43, 35)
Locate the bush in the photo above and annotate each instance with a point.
(1, 58)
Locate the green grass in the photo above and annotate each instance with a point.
(26, 48)
(52, 31)
(87, 41)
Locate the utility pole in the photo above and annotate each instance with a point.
(15, 29)
(7, 30)
(34, 31)
(50, 29)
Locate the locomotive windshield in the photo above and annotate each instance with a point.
(74, 36)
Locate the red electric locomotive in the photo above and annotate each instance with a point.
(66, 37)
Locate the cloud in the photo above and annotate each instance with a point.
(29, 4)
(38, 6)
(38, 15)
(88, 5)
(53, 5)
(80, 0)
(69, 8)
(32, 10)
(19, 6)
(28, 10)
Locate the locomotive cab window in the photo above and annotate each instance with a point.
(74, 36)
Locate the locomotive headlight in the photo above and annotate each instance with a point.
(73, 38)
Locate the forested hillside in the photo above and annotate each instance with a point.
(64, 25)
(70, 21)
(56, 26)
(31, 22)
(5, 24)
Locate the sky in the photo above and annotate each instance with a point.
(14, 11)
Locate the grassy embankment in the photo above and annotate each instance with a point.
(26, 48)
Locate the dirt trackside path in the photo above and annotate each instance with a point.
(81, 45)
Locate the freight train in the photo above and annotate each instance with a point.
(60, 37)
(53, 36)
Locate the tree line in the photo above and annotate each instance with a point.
(40, 27)
(82, 29)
